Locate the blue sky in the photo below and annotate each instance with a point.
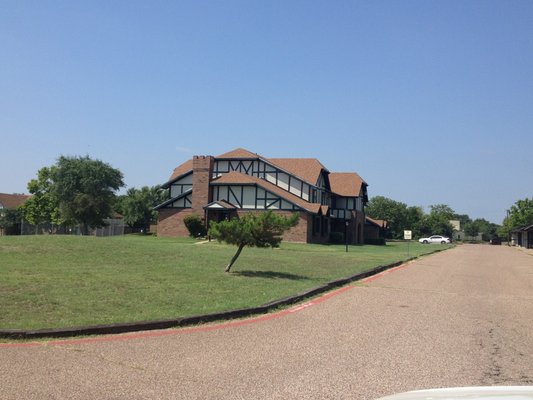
(429, 101)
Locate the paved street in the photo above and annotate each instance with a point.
(460, 317)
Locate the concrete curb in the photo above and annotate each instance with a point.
(195, 319)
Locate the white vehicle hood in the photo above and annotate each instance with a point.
(468, 393)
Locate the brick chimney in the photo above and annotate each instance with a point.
(202, 171)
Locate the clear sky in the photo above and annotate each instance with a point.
(429, 101)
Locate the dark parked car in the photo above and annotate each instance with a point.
(495, 240)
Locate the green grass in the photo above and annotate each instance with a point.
(65, 281)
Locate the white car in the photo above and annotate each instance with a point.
(435, 239)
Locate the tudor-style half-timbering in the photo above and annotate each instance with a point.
(240, 181)
(182, 185)
(251, 197)
(266, 171)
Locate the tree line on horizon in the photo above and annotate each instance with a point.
(402, 217)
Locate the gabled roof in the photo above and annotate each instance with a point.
(237, 178)
(308, 169)
(173, 199)
(380, 223)
(220, 204)
(347, 184)
(239, 153)
(12, 201)
(181, 170)
(522, 228)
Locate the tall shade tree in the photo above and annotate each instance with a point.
(472, 229)
(85, 190)
(487, 229)
(397, 214)
(520, 214)
(262, 230)
(42, 207)
(74, 190)
(137, 206)
(442, 210)
(437, 222)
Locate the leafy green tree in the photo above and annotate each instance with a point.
(487, 229)
(394, 212)
(43, 206)
(74, 190)
(9, 218)
(261, 230)
(520, 214)
(471, 229)
(137, 206)
(85, 190)
(414, 216)
(442, 211)
(437, 222)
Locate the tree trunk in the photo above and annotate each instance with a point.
(237, 254)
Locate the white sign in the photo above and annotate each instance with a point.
(407, 235)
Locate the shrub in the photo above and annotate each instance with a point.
(336, 237)
(195, 226)
(376, 241)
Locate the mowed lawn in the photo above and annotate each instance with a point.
(65, 281)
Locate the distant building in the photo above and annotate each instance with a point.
(12, 202)
(375, 228)
(459, 234)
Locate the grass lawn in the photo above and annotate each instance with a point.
(65, 281)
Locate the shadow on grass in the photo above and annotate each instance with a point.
(270, 275)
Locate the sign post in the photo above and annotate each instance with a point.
(408, 235)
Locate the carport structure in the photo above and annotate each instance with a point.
(523, 236)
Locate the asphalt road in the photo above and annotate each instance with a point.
(458, 318)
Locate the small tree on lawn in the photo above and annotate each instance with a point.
(262, 230)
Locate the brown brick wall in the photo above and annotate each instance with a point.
(356, 235)
(300, 232)
(371, 232)
(358, 228)
(171, 222)
(322, 236)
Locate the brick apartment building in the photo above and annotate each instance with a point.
(240, 182)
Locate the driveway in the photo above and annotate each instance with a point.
(456, 318)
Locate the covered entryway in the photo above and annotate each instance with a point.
(218, 211)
